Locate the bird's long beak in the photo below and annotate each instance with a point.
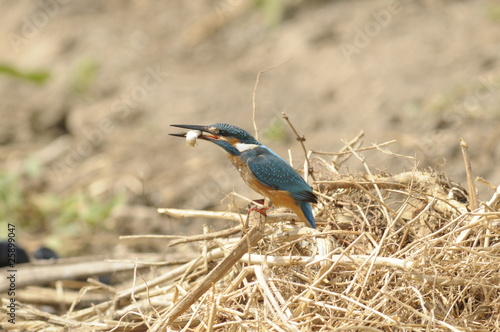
(206, 133)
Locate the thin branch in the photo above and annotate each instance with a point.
(301, 139)
(206, 237)
(473, 204)
(345, 151)
(254, 105)
(250, 239)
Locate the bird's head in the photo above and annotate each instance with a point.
(231, 138)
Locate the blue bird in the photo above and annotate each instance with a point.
(262, 169)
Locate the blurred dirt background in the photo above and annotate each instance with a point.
(89, 89)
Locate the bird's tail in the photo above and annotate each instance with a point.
(306, 209)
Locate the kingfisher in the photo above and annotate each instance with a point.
(262, 169)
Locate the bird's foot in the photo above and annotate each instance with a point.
(258, 205)
(262, 211)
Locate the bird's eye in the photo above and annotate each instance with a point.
(222, 132)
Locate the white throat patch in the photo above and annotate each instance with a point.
(243, 146)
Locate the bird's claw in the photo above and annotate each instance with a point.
(258, 206)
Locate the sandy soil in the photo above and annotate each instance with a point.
(424, 73)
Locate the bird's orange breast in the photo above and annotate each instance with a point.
(278, 197)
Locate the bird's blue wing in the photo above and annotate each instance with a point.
(272, 171)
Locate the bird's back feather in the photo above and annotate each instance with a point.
(272, 171)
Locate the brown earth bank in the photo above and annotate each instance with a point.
(89, 89)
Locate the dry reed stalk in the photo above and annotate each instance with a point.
(398, 252)
(256, 221)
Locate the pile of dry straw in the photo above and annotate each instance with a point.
(408, 252)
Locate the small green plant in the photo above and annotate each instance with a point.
(84, 75)
(35, 76)
(38, 211)
(494, 12)
(273, 10)
(11, 195)
(275, 132)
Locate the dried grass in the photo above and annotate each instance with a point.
(392, 253)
